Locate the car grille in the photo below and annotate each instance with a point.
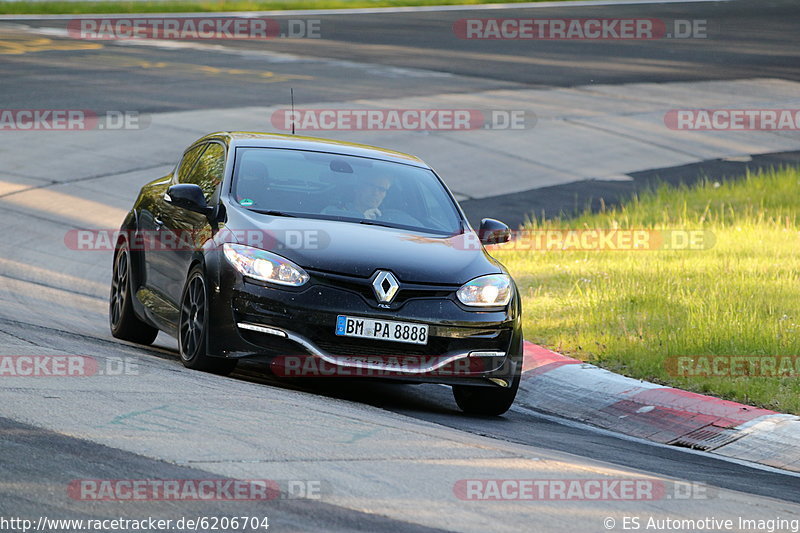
(363, 287)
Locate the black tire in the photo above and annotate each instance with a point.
(487, 401)
(193, 328)
(124, 323)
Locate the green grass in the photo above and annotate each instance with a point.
(177, 6)
(630, 311)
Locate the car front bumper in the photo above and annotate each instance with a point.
(295, 329)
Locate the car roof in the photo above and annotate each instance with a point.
(313, 144)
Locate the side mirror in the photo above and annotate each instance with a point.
(188, 196)
(493, 232)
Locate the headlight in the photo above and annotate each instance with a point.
(493, 290)
(265, 266)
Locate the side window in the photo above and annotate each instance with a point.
(209, 169)
(187, 163)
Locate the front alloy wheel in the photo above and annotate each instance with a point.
(194, 328)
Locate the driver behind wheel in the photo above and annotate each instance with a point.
(365, 201)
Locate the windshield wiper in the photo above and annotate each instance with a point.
(273, 213)
(369, 222)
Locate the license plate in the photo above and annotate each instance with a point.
(386, 330)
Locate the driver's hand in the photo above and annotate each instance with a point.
(372, 214)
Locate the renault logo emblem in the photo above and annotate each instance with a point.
(385, 286)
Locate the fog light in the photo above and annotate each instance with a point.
(487, 354)
(262, 329)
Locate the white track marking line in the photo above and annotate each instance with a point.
(530, 411)
(579, 425)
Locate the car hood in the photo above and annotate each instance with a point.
(359, 250)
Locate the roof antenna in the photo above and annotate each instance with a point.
(291, 91)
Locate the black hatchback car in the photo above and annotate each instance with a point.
(299, 250)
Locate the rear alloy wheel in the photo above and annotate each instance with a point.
(194, 328)
(124, 323)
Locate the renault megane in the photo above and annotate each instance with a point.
(262, 245)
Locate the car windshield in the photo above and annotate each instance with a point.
(338, 187)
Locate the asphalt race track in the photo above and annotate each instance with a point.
(380, 457)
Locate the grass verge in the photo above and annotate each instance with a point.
(635, 312)
(20, 7)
